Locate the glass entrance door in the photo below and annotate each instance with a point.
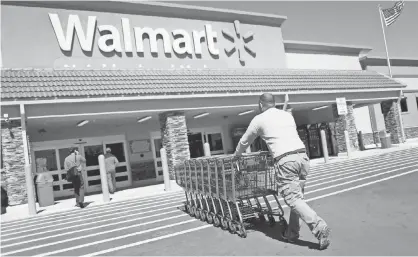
(196, 141)
(197, 138)
(92, 181)
(49, 157)
(92, 175)
(122, 175)
(214, 137)
(156, 146)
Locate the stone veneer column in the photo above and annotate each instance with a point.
(13, 171)
(174, 138)
(392, 120)
(343, 122)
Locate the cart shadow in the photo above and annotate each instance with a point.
(275, 233)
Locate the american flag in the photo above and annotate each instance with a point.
(391, 14)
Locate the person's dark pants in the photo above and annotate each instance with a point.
(78, 184)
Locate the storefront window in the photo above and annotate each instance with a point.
(63, 153)
(404, 105)
(215, 142)
(46, 160)
(158, 143)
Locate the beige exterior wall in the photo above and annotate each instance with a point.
(326, 61)
(322, 61)
(30, 40)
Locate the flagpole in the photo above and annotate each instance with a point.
(384, 37)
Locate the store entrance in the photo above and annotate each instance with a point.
(49, 157)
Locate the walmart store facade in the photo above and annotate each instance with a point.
(140, 76)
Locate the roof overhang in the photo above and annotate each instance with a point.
(292, 46)
(382, 61)
(71, 86)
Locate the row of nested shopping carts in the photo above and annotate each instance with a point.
(225, 190)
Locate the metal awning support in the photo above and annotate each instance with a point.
(30, 187)
(286, 100)
(400, 116)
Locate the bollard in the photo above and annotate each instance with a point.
(324, 146)
(166, 173)
(30, 190)
(347, 142)
(206, 149)
(103, 177)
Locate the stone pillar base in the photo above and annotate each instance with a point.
(392, 120)
(174, 138)
(13, 172)
(342, 123)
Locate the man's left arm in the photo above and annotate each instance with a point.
(248, 138)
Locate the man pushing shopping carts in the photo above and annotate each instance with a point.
(278, 129)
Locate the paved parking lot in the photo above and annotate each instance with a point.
(370, 204)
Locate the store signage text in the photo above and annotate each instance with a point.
(110, 39)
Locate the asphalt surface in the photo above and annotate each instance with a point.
(369, 203)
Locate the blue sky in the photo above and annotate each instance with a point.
(339, 22)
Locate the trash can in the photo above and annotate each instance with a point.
(45, 190)
(385, 139)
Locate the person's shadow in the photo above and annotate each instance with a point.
(275, 232)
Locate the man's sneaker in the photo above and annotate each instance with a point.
(290, 240)
(324, 238)
(81, 205)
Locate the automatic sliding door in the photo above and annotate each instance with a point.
(118, 150)
(92, 180)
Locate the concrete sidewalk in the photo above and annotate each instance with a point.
(370, 151)
(21, 211)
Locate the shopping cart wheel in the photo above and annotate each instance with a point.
(216, 220)
(191, 210)
(262, 217)
(224, 223)
(272, 221)
(203, 215)
(231, 226)
(242, 232)
(197, 213)
(187, 208)
(209, 217)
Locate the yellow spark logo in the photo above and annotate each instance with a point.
(240, 42)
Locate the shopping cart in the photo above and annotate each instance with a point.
(226, 190)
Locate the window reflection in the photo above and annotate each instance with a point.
(92, 153)
(63, 153)
(215, 142)
(158, 145)
(118, 151)
(46, 160)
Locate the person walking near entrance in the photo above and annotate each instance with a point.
(111, 162)
(76, 160)
(278, 129)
